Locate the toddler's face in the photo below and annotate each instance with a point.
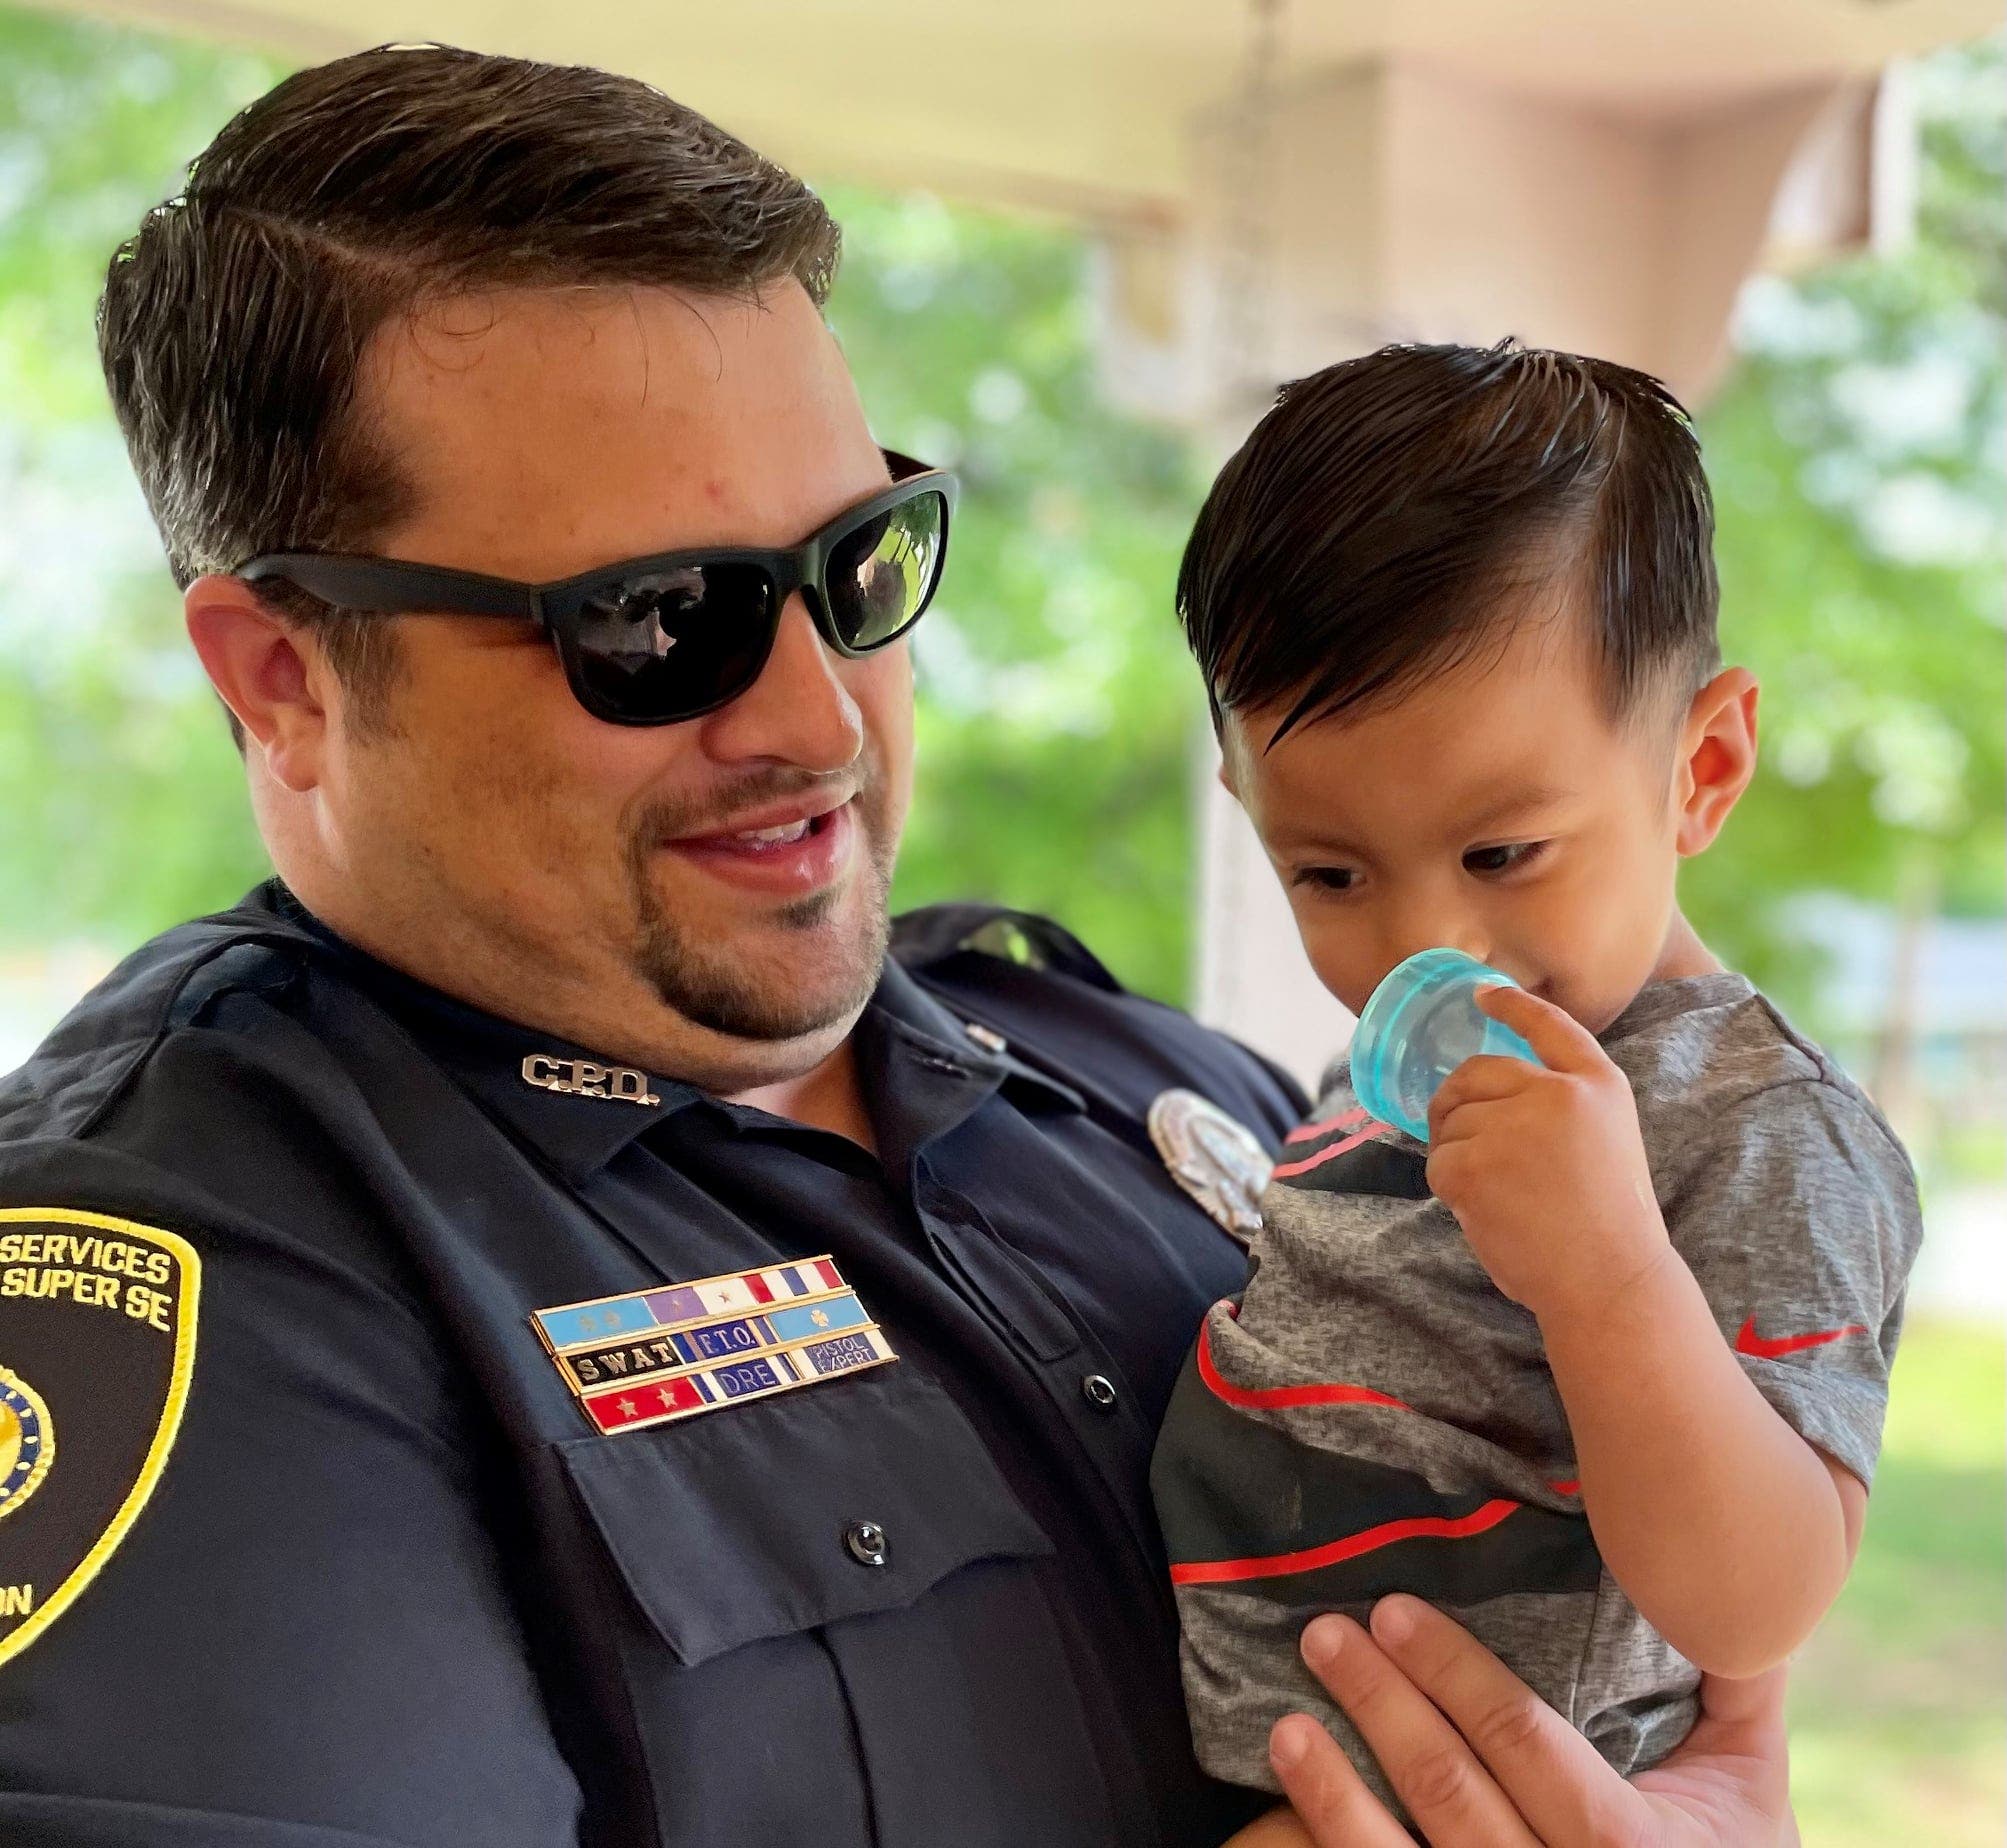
(1496, 810)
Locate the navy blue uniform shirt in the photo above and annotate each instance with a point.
(306, 1543)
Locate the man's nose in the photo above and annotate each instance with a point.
(798, 712)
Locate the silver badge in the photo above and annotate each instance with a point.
(1214, 1159)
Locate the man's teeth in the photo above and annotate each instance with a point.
(773, 837)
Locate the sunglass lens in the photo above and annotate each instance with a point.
(881, 574)
(669, 645)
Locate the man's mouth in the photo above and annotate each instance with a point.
(787, 849)
(790, 820)
(785, 835)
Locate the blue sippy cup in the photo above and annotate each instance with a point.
(1420, 1024)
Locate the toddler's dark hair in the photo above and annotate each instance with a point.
(1390, 512)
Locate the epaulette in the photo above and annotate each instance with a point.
(89, 1057)
(932, 934)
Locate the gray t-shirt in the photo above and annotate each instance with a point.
(1374, 1416)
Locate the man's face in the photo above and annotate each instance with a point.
(603, 878)
(1496, 810)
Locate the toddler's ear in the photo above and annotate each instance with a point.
(1228, 734)
(1717, 757)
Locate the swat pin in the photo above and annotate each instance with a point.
(656, 1355)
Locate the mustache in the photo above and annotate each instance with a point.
(665, 817)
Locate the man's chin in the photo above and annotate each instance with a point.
(755, 1016)
(788, 982)
(765, 970)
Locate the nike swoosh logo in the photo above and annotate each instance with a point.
(1748, 1341)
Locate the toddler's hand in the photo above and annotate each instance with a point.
(1543, 1165)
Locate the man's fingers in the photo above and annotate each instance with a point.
(1740, 1733)
(1756, 1704)
(1329, 1797)
(1448, 1793)
(1553, 1777)
(1733, 1769)
(1561, 1041)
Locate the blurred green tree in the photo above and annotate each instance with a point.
(1059, 714)
(1857, 459)
(121, 801)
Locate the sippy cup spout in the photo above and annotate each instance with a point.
(1419, 1025)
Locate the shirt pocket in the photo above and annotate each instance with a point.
(785, 1682)
(746, 1522)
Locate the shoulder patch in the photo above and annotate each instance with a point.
(97, 1346)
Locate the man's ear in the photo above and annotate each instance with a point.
(1717, 757)
(266, 671)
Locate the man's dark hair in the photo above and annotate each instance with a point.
(233, 321)
(1391, 514)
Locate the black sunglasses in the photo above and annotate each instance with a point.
(653, 640)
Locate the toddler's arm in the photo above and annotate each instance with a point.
(1725, 1528)
(1722, 1521)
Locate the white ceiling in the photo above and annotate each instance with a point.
(1081, 105)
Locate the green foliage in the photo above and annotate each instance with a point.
(1059, 714)
(121, 802)
(96, 125)
(1856, 456)
(1896, 1713)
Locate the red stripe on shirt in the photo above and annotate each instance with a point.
(1309, 1132)
(1336, 1149)
(1277, 1397)
(1309, 1559)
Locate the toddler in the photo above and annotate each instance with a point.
(1600, 1369)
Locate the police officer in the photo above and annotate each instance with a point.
(533, 1328)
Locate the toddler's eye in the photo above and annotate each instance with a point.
(1327, 878)
(1505, 859)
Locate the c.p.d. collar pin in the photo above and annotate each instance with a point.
(582, 1078)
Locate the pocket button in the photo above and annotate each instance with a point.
(865, 1542)
(1099, 1391)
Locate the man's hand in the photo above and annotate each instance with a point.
(1481, 1762)
(1543, 1165)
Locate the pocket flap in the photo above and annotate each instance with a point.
(732, 1525)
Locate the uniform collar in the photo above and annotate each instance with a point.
(908, 1009)
(575, 1104)
(580, 1107)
